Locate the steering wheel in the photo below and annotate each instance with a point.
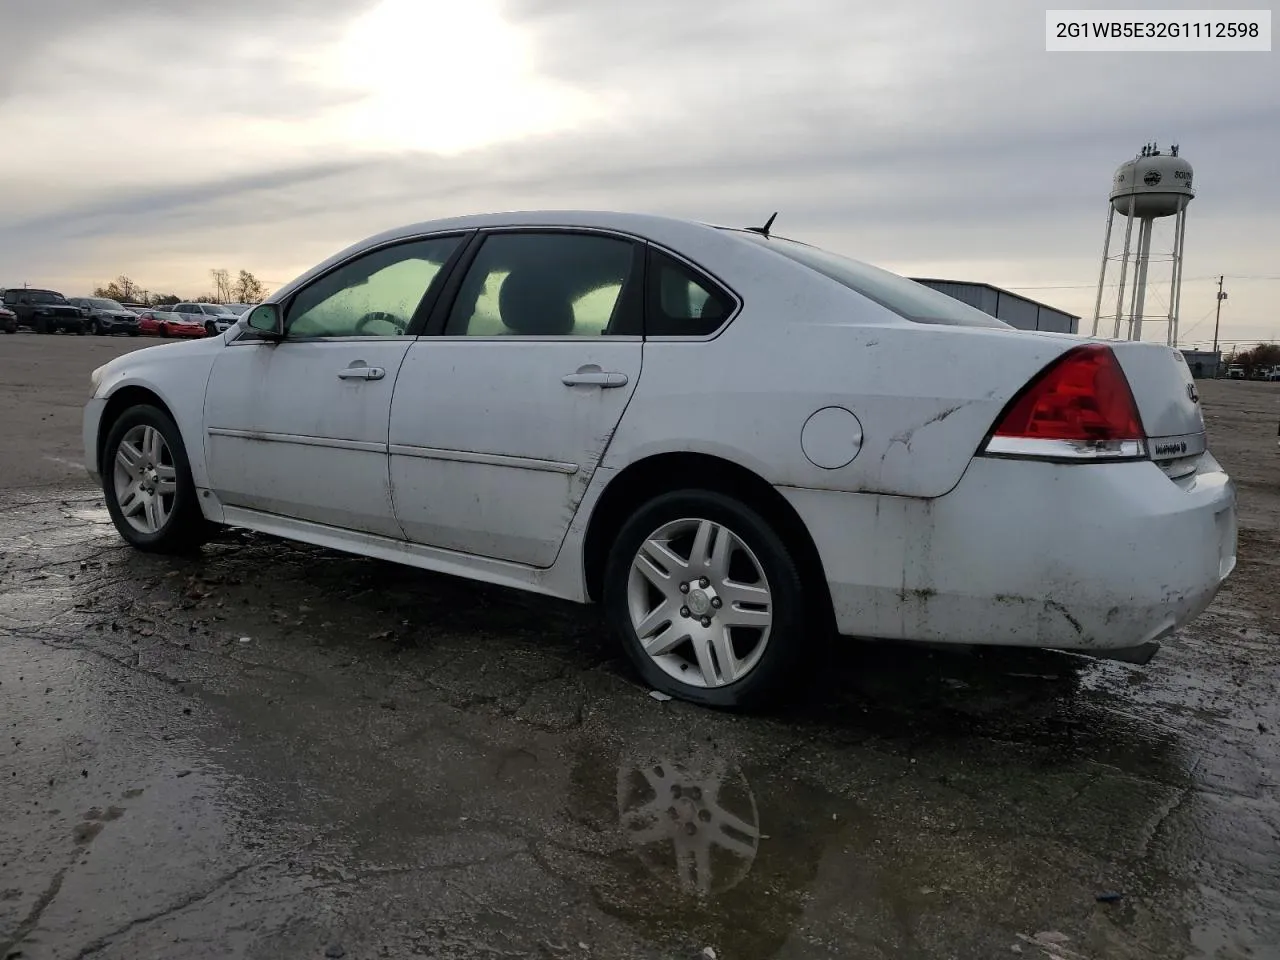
(381, 316)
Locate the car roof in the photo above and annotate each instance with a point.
(669, 231)
(642, 224)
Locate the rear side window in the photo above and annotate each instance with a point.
(11, 296)
(908, 299)
(681, 302)
(548, 284)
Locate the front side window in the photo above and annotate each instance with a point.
(680, 302)
(548, 285)
(375, 295)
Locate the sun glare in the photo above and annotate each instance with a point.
(446, 76)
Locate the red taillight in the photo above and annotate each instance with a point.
(1079, 407)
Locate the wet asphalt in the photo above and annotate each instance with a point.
(276, 751)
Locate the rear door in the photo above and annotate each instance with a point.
(498, 422)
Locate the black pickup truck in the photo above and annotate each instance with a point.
(44, 311)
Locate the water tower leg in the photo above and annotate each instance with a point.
(1102, 275)
(1175, 291)
(1124, 267)
(1140, 278)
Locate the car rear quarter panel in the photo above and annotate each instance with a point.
(924, 395)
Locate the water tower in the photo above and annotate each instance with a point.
(1150, 186)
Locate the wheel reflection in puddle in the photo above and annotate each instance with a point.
(694, 824)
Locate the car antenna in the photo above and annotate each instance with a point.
(764, 231)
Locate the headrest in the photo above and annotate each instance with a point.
(533, 304)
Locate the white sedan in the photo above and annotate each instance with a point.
(738, 444)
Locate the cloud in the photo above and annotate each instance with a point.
(921, 135)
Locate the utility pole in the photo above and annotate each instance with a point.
(1218, 315)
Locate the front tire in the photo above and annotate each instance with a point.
(97, 329)
(164, 331)
(707, 599)
(146, 478)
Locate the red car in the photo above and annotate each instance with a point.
(165, 324)
(8, 321)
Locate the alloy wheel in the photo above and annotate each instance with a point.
(700, 603)
(146, 479)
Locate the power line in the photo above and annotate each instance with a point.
(1094, 286)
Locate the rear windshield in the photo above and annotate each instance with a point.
(904, 297)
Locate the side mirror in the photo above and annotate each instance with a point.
(267, 320)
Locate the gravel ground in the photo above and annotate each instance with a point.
(274, 751)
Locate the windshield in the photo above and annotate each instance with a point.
(103, 304)
(41, 297)
(219, 309)
(904, 297)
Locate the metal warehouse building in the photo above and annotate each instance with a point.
(1204, 363)
(1014, 309)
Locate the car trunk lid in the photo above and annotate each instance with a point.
(1168, 402)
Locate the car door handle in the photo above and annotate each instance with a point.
(594, 378)
(361, 371)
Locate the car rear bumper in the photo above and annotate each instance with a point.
(1081, 557)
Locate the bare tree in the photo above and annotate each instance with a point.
(121, 288)
(221, 285)
(249, 289)
(1260, 358)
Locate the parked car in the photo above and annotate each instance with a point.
(215, 318)
(44, 311)
(8, 320)
(106, 316)
(813, 444)
(1235, 372)
(163, 323)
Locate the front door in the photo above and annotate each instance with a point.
(298, 427)
(498, 424)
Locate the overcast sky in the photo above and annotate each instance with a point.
(933, 138)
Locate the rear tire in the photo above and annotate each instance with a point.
(148, 488)
(752, 585)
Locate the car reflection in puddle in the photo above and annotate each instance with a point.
(694, 824)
